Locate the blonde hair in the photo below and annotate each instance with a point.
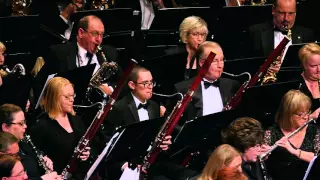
(192, 23)
(37, 66)
(2, 47)
(223, 155)
(52, 94)
(308, 50)
(228, 173)
(292, 102)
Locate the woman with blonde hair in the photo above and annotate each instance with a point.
(228, 173)
(223, 156)
(58, 130)
(291, 158)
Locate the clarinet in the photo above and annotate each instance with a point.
(39, 155)
(172, 120)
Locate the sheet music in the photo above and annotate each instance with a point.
(45, 85)
(309, 168)
(106, 150)
(129, 174)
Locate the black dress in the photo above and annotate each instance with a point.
(281, 164)
(55, 141)
(304, 88)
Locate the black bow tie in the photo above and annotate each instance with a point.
(282, 31)
(208, 84)
(145, 106)
(89, 55)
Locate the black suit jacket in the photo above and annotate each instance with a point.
(62, 58)
(228, 88)
(262, 38)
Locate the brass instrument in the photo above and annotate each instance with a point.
(258, 3)
(21, 7)
(39, 155)
(271, 77)
(18, 68)
(101, 4)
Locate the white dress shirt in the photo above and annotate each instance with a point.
(143, 113)
(211, 99)
(278, 36)
(147, 13)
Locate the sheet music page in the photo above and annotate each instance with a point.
(309, 167)
(130, 174)
(45, 85)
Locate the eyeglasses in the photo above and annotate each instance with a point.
(96, 34)
(147, 84)
(286, 13)
(69, 97)
(197, 34)
(22, 173)
(302, 115)
(24, 122)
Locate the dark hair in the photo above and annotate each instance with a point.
(84, 22)
(134, 74)
(7, 111)
(6, 139)
(7, 162)
(243, 133)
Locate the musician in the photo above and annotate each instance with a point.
(65, 57)
(11, 168)
(266, 36)
(136, 106)
(12, 120)
(223, 156)
(193, 32)
(214, 91)
(291, 159)
(246, 135)
(8, 143)
(59, 130)
(309, 56)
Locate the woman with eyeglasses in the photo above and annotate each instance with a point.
(11, 168)
(59, 130)
(291, 158)
(193, 32)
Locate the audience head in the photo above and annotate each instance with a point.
(12, 120)
(90, 33)
(2, 50)
(58, 97)
(228, 173)
(309, 56)
(193, 31)
(216, 67)
(11, 168)
(284, 13)
(246, 135)
(8, 143)
(294, 110)
(141, 83)
(223, 156)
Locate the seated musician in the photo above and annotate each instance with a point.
(12, 121)
(193, 32)
(59, 130)
(246, 135)
(11, 168)
(266, 36)
(228, 173)
(309, 56)
(290, 160)
(223, 156)
(65, 57)
(214, 91)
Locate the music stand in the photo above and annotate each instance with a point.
(291, 58)
(312, 172)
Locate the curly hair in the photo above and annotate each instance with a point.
(243, 133)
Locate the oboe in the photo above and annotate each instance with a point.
(39, 155)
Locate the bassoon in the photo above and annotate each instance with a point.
(96, 123)
(173, 118)
(236, 99)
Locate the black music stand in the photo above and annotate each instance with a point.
(291, 58)
(261, 102)
(312, 173)
(202, 135)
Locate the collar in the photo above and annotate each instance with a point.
(137, 101)
(81, 51)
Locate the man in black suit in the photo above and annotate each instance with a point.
(66, 57)
(266, 36)
(214, 92)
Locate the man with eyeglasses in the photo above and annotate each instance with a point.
(66, 57)
(13, 123)
(266, 36)
(214, 92)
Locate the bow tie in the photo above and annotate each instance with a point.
(282, 31)
(208, 84)
(145, 106)
(89, 55)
